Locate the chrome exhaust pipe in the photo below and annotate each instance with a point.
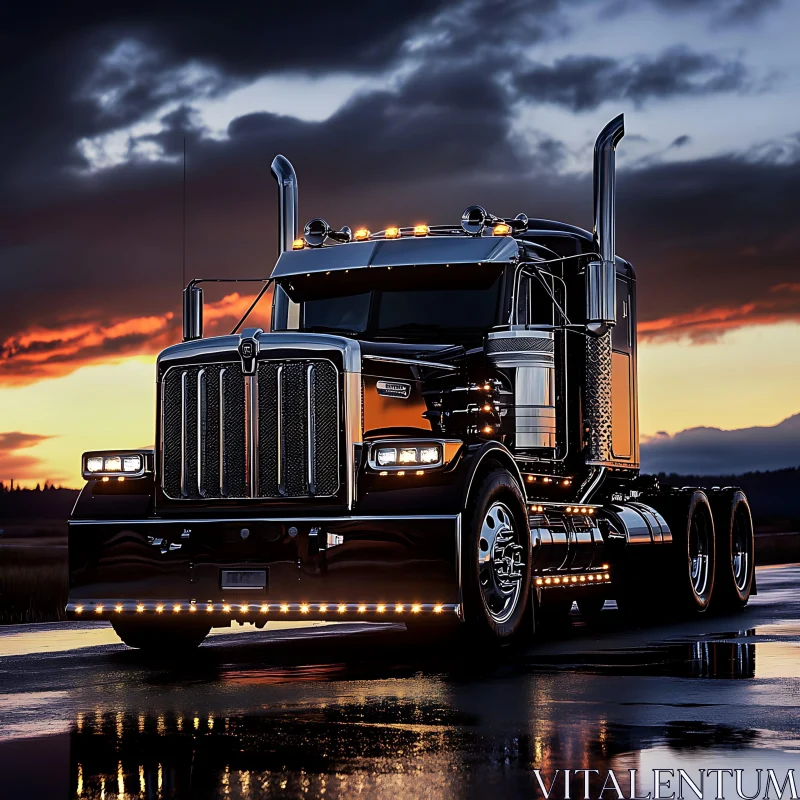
(601, 295)
(286, 177)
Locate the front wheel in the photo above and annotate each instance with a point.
(496, 560)
(160, 636)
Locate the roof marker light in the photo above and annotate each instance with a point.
(421, 230)
(501, 229)
(298, 244)
(361, 234)
(392, 233)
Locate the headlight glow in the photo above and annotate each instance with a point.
(408, 455)
(94, 464)
(387, 456)
(131, 463)
(113, 464)
(429, 455)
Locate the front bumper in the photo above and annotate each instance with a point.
(356, 567)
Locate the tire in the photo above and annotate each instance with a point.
(591, 607)
(496, 560)
(735, 550)
(690, 581)
(157, 636)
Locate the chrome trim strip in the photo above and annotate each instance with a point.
(223, 461)
(354, 428)
(184, 403)
(252, 520)
(460, 609)
(279, 431)
(411, 362)
(311, 426)
(201, 431)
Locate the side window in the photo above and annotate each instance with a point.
(534, 306)
(524, 300)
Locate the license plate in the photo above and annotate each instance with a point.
(244, 579)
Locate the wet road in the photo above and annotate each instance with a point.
(362, 710)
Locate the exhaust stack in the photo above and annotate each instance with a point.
(601, 275)
(286, 177)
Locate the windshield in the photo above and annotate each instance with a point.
(402, 302)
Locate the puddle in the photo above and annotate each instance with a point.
(388, 747)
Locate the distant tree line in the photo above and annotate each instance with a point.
(11, 487)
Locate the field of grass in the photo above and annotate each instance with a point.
(33, 573)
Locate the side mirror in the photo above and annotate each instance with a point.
(192, 313)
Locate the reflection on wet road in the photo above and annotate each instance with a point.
(363, 710)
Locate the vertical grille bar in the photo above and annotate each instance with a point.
(201, 432)
(251, 432)
(281, 451)
(223, 461)
(184, 427)
(311, 428)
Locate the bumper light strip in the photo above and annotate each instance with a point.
(586, 579)
(256, 610)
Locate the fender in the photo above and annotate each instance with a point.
(495, 451)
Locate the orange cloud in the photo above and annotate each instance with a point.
(20, 466)
(47, 352)
(706, 323)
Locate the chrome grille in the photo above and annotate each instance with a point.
(271, 435)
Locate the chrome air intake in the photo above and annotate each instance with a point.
(530, 354)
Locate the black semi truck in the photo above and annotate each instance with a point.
(439, 425)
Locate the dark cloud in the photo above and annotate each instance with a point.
(711, 451)
(585, 82)
(724, 11)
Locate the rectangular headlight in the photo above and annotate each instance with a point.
(121, 464)
(387, 456)
(408, 455)
(430, 455)
(131, 463)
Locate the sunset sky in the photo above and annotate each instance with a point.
(396, 116)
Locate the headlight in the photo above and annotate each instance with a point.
(395, 456)
(120, 464)
(387, 456)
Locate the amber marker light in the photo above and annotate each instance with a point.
(548, 581)
(531, 478)
(501, 229)
(209, 608)
(420, 472)
(284, 608)
(226, 609)
(298, 244)
(392, 233)
(159, 609)
(539, 581)
(304, 609)
(421, 230)
(487, 407)
(383, 472)
(361, 234)
(437, 609)
(342, 608)
(400, 473)
(140, 609)
(362, 609)
(192, 609)
(607, 576)
(605, 566)
(118, 609)
(98, 610)
(381, 609)
(323, 609)
(398, 609)
(79, 609)
(416, 609)
(106, 479)
(488, 429)
(264, 608)
(245, 608)
(583, 579)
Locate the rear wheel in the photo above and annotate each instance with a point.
(694, 551)
(735, 550)
(496, 559)
(157, 636)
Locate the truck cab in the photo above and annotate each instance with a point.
(431, 424)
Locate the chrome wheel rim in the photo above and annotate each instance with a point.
(699, 554)
(500, 563)
(740, 554)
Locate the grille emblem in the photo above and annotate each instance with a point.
(248, 350)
